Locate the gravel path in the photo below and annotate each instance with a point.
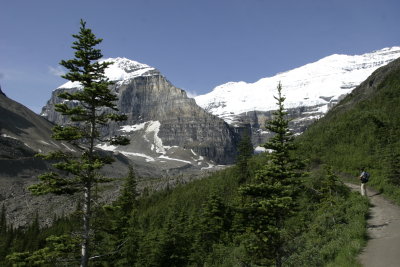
(383, 247)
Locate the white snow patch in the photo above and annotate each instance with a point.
(107, 147)
(315, 117)
(168, 158)
(169, 147)
(210, 166)
(133, 128)
(260, 131)
(44, 142)
(54, 143)
(28, 146)
(323, 109)
(200, 157)
(259, 150)
(8, 136)
(148, 158)
(70, 85)
(153, 128)
(67, 147)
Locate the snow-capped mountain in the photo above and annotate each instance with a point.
(314, 87)
(166, 127)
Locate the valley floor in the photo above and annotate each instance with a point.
(383, 232)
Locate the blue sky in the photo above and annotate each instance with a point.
(196, 44)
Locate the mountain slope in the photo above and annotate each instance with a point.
(146, 97)
(362, 130)
(23, 134)
(19, 123)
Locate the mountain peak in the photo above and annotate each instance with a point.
(320, 83)
(121, 70)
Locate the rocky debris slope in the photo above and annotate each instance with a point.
(146, 96)
(23, 134)
(20, 125)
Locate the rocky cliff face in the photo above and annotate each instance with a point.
(145, 95)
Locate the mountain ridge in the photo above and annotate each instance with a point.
(338, 74)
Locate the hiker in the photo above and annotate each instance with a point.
(364, 177)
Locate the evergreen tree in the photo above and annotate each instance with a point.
(245, 150)
(168, 245)
(124, 224)
(128, 203)
(212, 224)
(331, 186)
(87, 116)
(175, 242)
(128, 199)
(271, 199)
(131, 240)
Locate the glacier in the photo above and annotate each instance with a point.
(320, 84)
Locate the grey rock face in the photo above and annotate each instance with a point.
(183, 122)
(300, 118)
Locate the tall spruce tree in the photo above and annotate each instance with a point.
(270, 199)
(126, 223)
(94, 99)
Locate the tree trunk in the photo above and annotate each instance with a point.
(86, 226)
(87, 192)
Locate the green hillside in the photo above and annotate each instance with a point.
(363, 130)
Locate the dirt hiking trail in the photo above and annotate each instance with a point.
(383, 247)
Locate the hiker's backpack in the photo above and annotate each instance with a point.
(365, 177)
